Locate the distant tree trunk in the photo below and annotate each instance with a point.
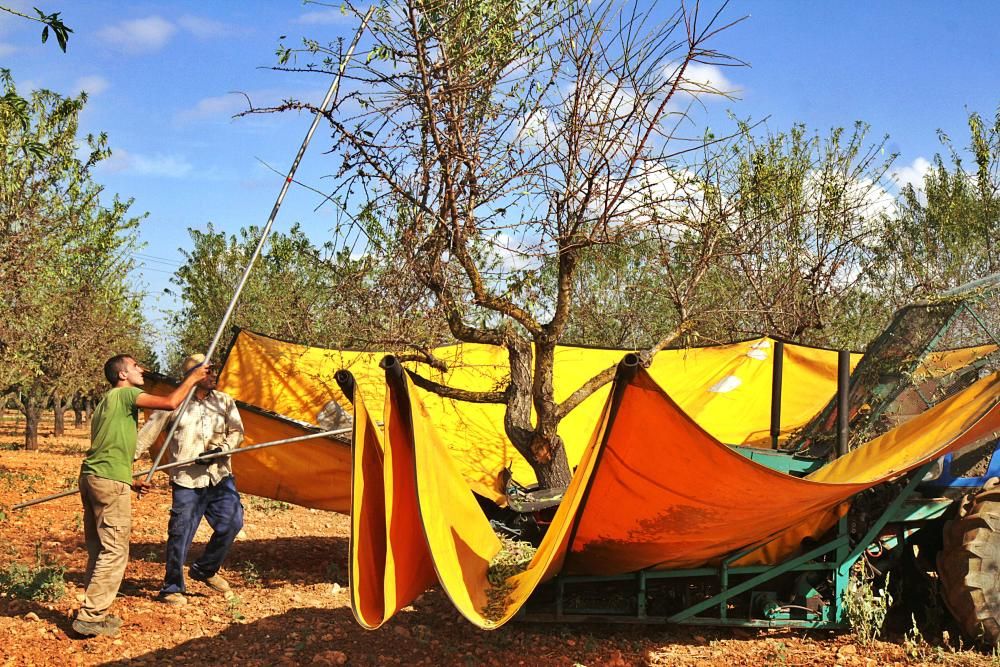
(32, 410)
(88, 407)
(79, 405)
(59, 413)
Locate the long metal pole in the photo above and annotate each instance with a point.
(175, 464)
(267, 228)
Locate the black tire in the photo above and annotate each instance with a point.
(969, 568)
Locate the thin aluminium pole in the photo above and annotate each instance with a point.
(334, 86)
(175, 464)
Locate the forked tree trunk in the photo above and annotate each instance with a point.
(539, 442)
(59, 414)
(88, 407)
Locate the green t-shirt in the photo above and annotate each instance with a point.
(113, 428)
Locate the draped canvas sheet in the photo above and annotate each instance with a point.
(414, 521)
(652, 489)
(312, 473)
(727, 389)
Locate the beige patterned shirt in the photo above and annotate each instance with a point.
(206, 424)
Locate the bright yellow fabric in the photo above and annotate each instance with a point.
(458, 540)
(726, 388)
(653, 489)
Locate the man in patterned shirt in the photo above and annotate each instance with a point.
(210, 424)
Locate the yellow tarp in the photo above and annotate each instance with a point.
(726, 388)
(652, 489)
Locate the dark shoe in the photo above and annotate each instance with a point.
(113, 620)
(95, 628)
(215, 582)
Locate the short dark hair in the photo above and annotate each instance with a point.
(114, 366)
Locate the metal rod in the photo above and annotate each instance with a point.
(175, 464)
(777, 371)
(334, 85)
(843, 400)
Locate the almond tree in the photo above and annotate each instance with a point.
(489, 140)
(65, 299)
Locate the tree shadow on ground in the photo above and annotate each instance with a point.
(271, 562)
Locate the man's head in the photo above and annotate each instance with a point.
(193, 362)
(122, 371)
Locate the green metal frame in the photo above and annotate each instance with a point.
(715, 610)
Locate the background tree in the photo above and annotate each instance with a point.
(947, 227)
(297, 291)
(491, 139)
(812, 214)
(65, 300)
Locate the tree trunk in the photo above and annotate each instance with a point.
(88, 407)
(554, 474)
(77, 403)
(59, 414)
(32, 416)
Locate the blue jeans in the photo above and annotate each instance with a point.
(220, 505)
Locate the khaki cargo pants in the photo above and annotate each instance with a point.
(107, 525)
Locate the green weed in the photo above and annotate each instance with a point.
(42, 582)
(235, 606)
(267, 505)
(865, 607)
(251, 575)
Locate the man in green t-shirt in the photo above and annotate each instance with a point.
(105, 479)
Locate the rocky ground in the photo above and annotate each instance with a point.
(292, 605)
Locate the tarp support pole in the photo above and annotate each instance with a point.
(777, 372)
(843, 401)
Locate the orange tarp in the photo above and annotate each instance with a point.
(653, 489)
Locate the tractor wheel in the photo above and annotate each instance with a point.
(969, 567)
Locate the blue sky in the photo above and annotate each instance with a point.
(161, 74)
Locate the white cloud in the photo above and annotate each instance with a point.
(220, 105)
(323, 17)
(169, 166)
(139, 35)
(92, 85)
(203, 28)
(512, 256)
(912, 174)
(701, 80)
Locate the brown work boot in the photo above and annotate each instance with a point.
(173, 599)
(215, 582)
(94, 628)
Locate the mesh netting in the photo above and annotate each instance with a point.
(904, 371)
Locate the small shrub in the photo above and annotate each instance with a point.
(251, 575)
(267, 505)
(235, 605)
(865, 607)
(42, 583)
